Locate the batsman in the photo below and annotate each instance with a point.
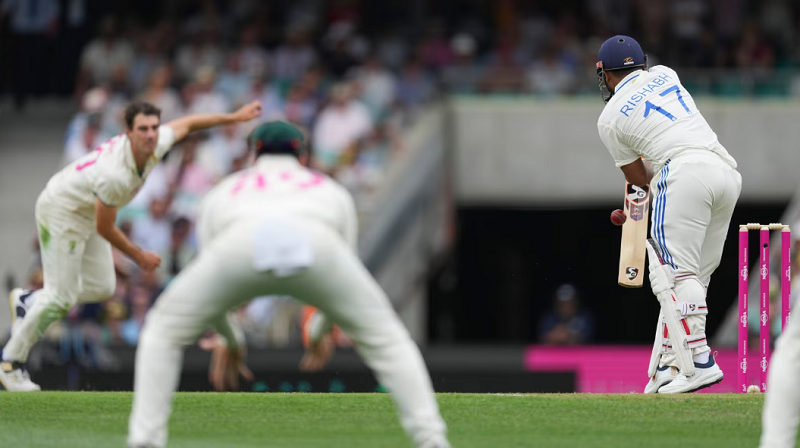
(658, 137)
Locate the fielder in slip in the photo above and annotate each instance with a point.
(782, 404)
(695, 186)
(278, 228)
(76, 215)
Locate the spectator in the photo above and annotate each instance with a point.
(119, 95)
(728, 17)
(34, 275)
(93, 102)
(250, 52)
(687, 24)
(504, 72)
(206, 19)
(377, 86)
(103, 56)
(114, 310)
(339, 128)
(294, 57)
(465, 73)
(181, 251)
(300, 106)
(754, 50)
(373, 157)
(338, 58)
(140, 301)
(777, 23)
(148, 60)
(160, 94)
(317, 83)
(416, 87)
(202, 50)
(202, 97)
(190, 178)
(167, 37)
(535, 30)
(392, 49)
(263, 90)
(216, 154)
(152, 232)
(550, 75)
(90, 138)
(567, 323)
(233, 82)
(435, 50)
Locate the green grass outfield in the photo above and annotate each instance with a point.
(276, 420)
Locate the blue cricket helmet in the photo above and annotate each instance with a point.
(617, 53)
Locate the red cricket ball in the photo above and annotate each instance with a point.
(618, 217)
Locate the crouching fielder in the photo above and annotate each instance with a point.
(782, 405)
(649, 115)
(278, 228)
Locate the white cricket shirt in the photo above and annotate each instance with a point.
(653, 116)
(109, 174)
(277, 186)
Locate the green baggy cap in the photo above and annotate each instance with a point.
(277, 137)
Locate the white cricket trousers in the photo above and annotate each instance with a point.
(78, 268)
(223, 278)
(694, 197)
(782, 404)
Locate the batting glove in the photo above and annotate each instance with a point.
(661, 278)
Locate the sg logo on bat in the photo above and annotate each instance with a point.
(636, 201)
(631, 272)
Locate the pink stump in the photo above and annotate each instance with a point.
(786, 276)
(764, 307)
(742, 356)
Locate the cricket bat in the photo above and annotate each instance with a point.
(633, 247)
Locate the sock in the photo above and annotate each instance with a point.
(30, 299)
(702, 358)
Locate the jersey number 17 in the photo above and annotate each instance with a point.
(652, 107)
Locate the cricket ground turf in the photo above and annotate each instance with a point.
(279, 420)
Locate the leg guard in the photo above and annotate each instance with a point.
(681, 342)
(658, 344)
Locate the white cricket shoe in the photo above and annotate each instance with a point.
(664, 375)
(705, 375)
(14, 378)
(19, 304)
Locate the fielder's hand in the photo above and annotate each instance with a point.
(226, 365)
(318, 354)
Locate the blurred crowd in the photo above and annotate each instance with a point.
(352, 72)
(724, 47)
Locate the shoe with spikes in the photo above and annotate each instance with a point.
(14, 378)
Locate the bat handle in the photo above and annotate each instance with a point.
(651, 243)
